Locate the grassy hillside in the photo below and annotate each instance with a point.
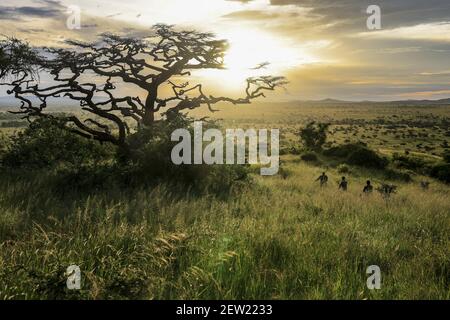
(276, 239)
(280, 237)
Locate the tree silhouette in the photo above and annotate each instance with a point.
(90, 72)
(314, 135)
(16, 58)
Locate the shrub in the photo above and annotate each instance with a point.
(309, 157)
(148, 159)
(358, 154)
(407, 162)
(45, 144)
(87, 179)
(365, 157)
(85, 166)
(447, 157)
(390, 174)
(342, 151)
(441, 172)
(295, 150)
(4, 143)
(314, 135)
(343, 168)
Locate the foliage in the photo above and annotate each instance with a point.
(17, 57)
(309, 157)
(366, 157)
(343, 168)
(291, 149)
(314, 135)
(147, 162)
(161, 62)
(150, 158)
(391, 174)
(408, 162)
(357, 154)
(447, 157)
(441, 172)
(343, 150)
(44, 144)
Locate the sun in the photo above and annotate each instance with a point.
(248, 48)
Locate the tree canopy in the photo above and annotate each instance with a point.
(314, 135)
(89, 73)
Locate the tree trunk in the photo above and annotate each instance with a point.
(149, 115)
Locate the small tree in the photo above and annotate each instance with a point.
(16, 58)
(314, 135)
(100, 75)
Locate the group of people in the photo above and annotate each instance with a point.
(385, 189)
(343, 184)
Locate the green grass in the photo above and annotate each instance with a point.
(274, 239)
(281, 237)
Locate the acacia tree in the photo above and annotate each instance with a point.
(90, 72)
(16, 58)
(314, 135)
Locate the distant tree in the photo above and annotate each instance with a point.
(16, 57)
(314, 135)
(101, 75)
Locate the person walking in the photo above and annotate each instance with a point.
(368, 188)
(323, 179)
(343, 185)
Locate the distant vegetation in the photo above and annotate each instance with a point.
(357, 154)
(314, 135)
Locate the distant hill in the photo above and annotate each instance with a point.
(10, 103)
(424, 102)
(411, 102)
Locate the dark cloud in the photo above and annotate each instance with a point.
(394, 12)
(45, 9)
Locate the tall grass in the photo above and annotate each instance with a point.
(282, 237)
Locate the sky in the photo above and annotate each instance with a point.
(323, 47)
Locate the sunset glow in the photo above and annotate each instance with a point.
(323, 47)
(249, 48)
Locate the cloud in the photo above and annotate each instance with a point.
(439, 31)
(437, 73)
(394, 12)
(426, 94)
(46, 9)
(31, 30)
(251, 15)
(242, 1)
(409, 55)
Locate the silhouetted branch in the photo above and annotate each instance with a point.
(147, 64)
